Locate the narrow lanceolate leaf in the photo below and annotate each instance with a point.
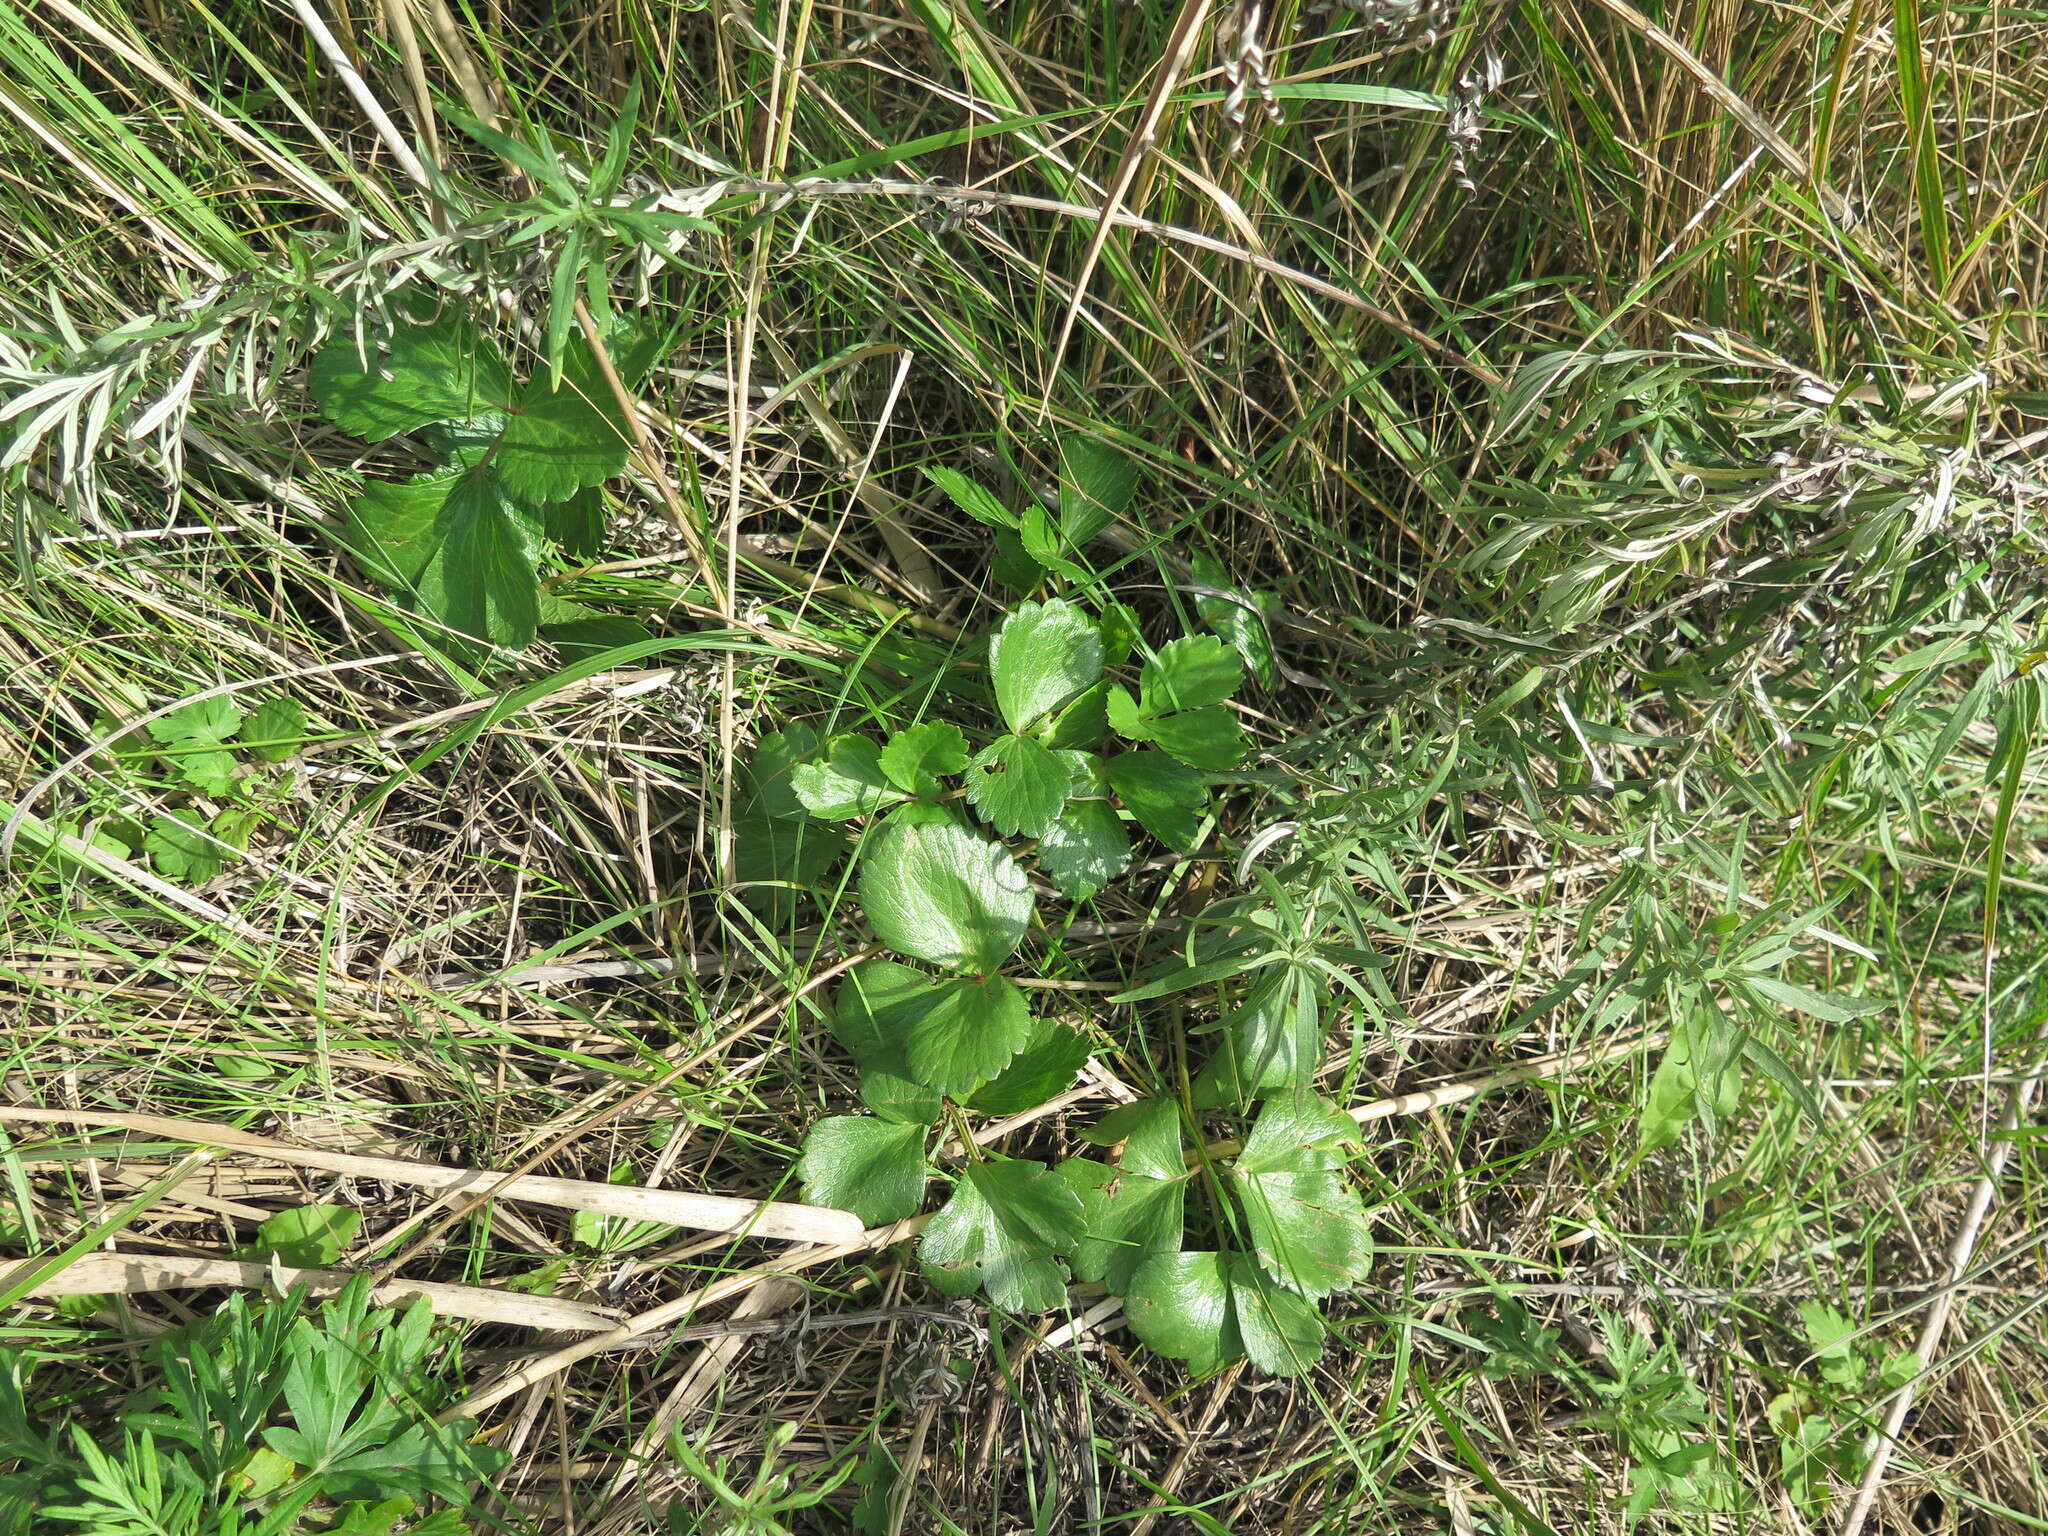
(1307, 1224)
(1017, 785)
(1166, 797)
(977, 501)
(968, 1034)
(849, 782)
(920, 755)
(1085, 849)
(1001, 1231)
(560, 441)
(1043, 655)
(939, 893)
(445, 371)
(874, 1168)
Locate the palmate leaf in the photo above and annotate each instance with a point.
(1307, 1224)
(1210, 1308)
(939, 893)
(1001, 1231)
(874, 1168)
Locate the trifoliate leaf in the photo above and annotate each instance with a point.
(894, 1096)
(563, 440)
(1209, 1308)
(920, 755)
(307, 1236)
(1001, 1230)
(1017, 785)
(276, 731)
(444, 371)
(766, 775)
(1129, 1220)
(849, 782)
(1085, 849)
(1121, 631)
(939, 893)
(1166, 797)
(1044, 543)
(1013, 565)
(874, 1168)
(1082, 723)
(203, 721)
(1190, 673)
(977, 501)
(1307, 1224)
(1096, 485)
(967, 1034)
(1043, 655)
(1046, 1066)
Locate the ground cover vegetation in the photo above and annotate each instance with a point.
(1298, 748)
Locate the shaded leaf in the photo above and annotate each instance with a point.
(442, 371)
(848, 783)
(966, 1032)
(1167, 798)
(1044, 1067)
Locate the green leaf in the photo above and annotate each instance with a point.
(307, 1236)
(1129, 1220)
(444, 371)
(180, 851)
(920, 755)
(1000, 1231)
(1043, 655)
(939, 893)
(1273, 1040)
(1822, 1005)
(563, 440)
(203, 721)
(1202, 738)
(850, 782)
(1189, 673)
(1166, 797)
(1307, 1224)
(577, 522)
(1282, 1332)
(395, 532)
(1096, 485)
(1044, 1067)
(977, 501)
(211, 773)
(276, 732)
(1085, 849)
(874, 1168)
(1017, 785)
(1150, 1130)
(1180, 1304)
(967, 1033)
(1240, 619)
(877, 1004)
(579, 639)
(767, 774)
(487, 564)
